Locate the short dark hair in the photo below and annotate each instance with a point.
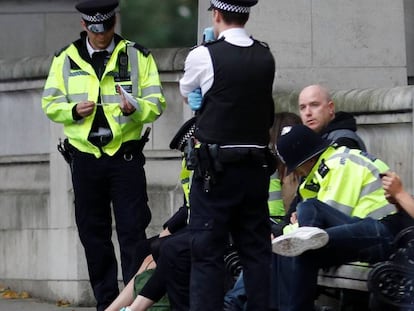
(233, 18)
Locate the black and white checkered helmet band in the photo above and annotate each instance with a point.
(229, 7)
(98, 17)
(185, 137)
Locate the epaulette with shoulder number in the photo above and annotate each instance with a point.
(369, 156)
(195, 46)
(57, 53)
(213, 42)
(206, 43)
(323, 169)
(314, 187)
(262, 43)
(142, 49)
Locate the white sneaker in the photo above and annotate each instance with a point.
(300, 240)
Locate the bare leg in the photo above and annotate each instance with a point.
(126, 296)
(141, 303)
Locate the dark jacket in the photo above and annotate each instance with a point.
(342, 130)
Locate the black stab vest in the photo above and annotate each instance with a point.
(239, 107)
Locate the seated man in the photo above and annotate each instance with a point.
(345, 179)
(317, 111)
(343, 239)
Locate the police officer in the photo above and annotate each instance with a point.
(103, 125)
(229, 191)
(348, 180)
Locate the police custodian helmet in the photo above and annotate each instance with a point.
(298, 145)
(236, 6)
(183, 134)
(99, 15)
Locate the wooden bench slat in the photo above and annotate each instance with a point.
(352, 275)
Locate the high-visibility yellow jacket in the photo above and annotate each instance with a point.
(72, 79)
(275, 201)
(348, 180)
(185, 178)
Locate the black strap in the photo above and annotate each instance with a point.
(99, 62)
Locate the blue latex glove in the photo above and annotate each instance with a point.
(194, 99)
(208, 34)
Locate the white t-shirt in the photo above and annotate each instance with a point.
(198, 68)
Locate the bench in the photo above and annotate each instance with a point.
(353, 275)
(387, 285)
(347, 285)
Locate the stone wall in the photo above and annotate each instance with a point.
(36, 197)
(360, 49)
(342, 44)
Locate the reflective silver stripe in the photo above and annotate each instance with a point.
(109, 99)
(52, 91)
(371, 187)
(275, 175)
(155, 89)
(115, 99)
(123, 119)
(275, 195)
(382, 212)
(133, 61)
(155, 101)
(340, 207)
(76, 98)
(66, 72)
(79, 73)
(58, 100)
(357, 160)
(55, 92)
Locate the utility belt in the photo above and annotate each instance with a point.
(128, 149)
(100, 140)
(209, 160)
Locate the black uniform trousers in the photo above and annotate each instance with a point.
(237, 203)
(172, 275)
(99, 183)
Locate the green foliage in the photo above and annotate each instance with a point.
(160, 23)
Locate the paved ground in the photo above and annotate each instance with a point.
(32, 304)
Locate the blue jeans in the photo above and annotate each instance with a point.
(235, 298)
(350, 239)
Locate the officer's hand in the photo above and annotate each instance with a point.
(125, 105)
(294, 218)
(194, 99)
(164, 233)
(85, 108)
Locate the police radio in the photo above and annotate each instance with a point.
(190, 154)
(123, 66)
